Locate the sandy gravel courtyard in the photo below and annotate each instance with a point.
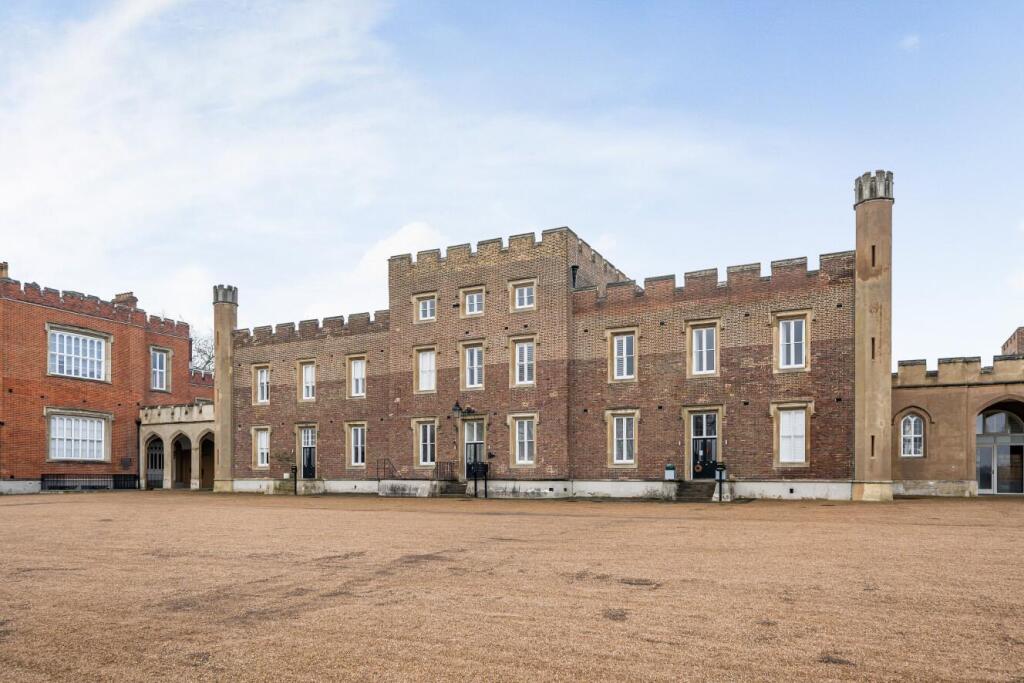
(193, 586)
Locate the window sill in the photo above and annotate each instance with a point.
(78, 379)
(791, 465)
(787, 371)
(80, 461)
(525, 385)
(623, 380)
(623, 465)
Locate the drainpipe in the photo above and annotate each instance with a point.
(138, 454)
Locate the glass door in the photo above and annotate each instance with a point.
(474, 438)
(1009, 469)
(984, 464)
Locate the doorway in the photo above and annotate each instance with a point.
(999, 452)
(703, 445)
(473, 438)
(206, 463)
(155, 463)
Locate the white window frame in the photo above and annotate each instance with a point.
(792, 436)
(474, 359)
(470, 295)
(704, 353)
(79, 438)
(357, 445)
(357, 377)
(261, 434)
(308, 390)
(912, 443)
(426, 373)
(624, 350)
(159, 372)
(426, 304)
(528, 298)
(526, 440)
(76, 354)
(623, 439)
(524, 373)
(790, 347)
(426, 439)
(263, 385)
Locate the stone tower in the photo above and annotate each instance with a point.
(225, 318)
(873, 200)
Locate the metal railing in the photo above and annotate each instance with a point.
(386, 469)
(88, 482)
(445, 471)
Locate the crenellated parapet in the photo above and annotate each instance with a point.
(700, 284)
(959, 371)
(524, 245)
(122, 309)
(200, 378)
(335, 326)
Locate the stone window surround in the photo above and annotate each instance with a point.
(299, 384)
(609, 418)
(416, 350)
(414, 425)
(512, 285)
(108, 429)
(513, 341)
(463, 292)
(463, 369)
(807, 405)
(691, 326)
(348, 444)
(255, 455)
(777, 316)
(84, 331)
(363, 356)
(422, 296)
(254, 370)
(510, 420)
(610, 334)
(167, 370)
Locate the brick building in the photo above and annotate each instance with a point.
(543, 360)
(74, 373)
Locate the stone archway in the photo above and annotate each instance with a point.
(999, 448)
(154, 472)
(181, 466)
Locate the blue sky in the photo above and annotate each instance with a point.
(290, 147)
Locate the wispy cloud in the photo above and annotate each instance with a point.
(163, 145)
(910, 42)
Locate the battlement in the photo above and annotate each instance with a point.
(958, 371)
(877, 185)
(705, 283)
(335, 326)
(200, 378)
(175, 414)
(524, 244)
(118, 310)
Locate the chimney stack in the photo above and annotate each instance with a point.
(3, 270)
(126, 299)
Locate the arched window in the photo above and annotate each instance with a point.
(912, 439)
(999, 422)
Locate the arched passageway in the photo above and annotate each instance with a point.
(999, 448)
(155, 463)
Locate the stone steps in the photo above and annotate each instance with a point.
(700, 491)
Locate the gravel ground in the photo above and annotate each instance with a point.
(195, 586)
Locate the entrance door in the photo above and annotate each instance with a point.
(155, 463)
(704, 444)
(983, 458)
(308, 436)
(474, 441)
(206, 464)
(999, 449)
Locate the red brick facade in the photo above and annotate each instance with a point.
(579, 298)
(29, 392)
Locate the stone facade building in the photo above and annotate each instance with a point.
(74, 373)
(543, 360)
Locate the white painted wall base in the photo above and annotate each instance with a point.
(793, 490)
(409, 488)
(14, 486)
(924, 487)
(507, 488)
(350, 486)
(664, 490)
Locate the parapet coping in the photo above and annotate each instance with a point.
(85, 304)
